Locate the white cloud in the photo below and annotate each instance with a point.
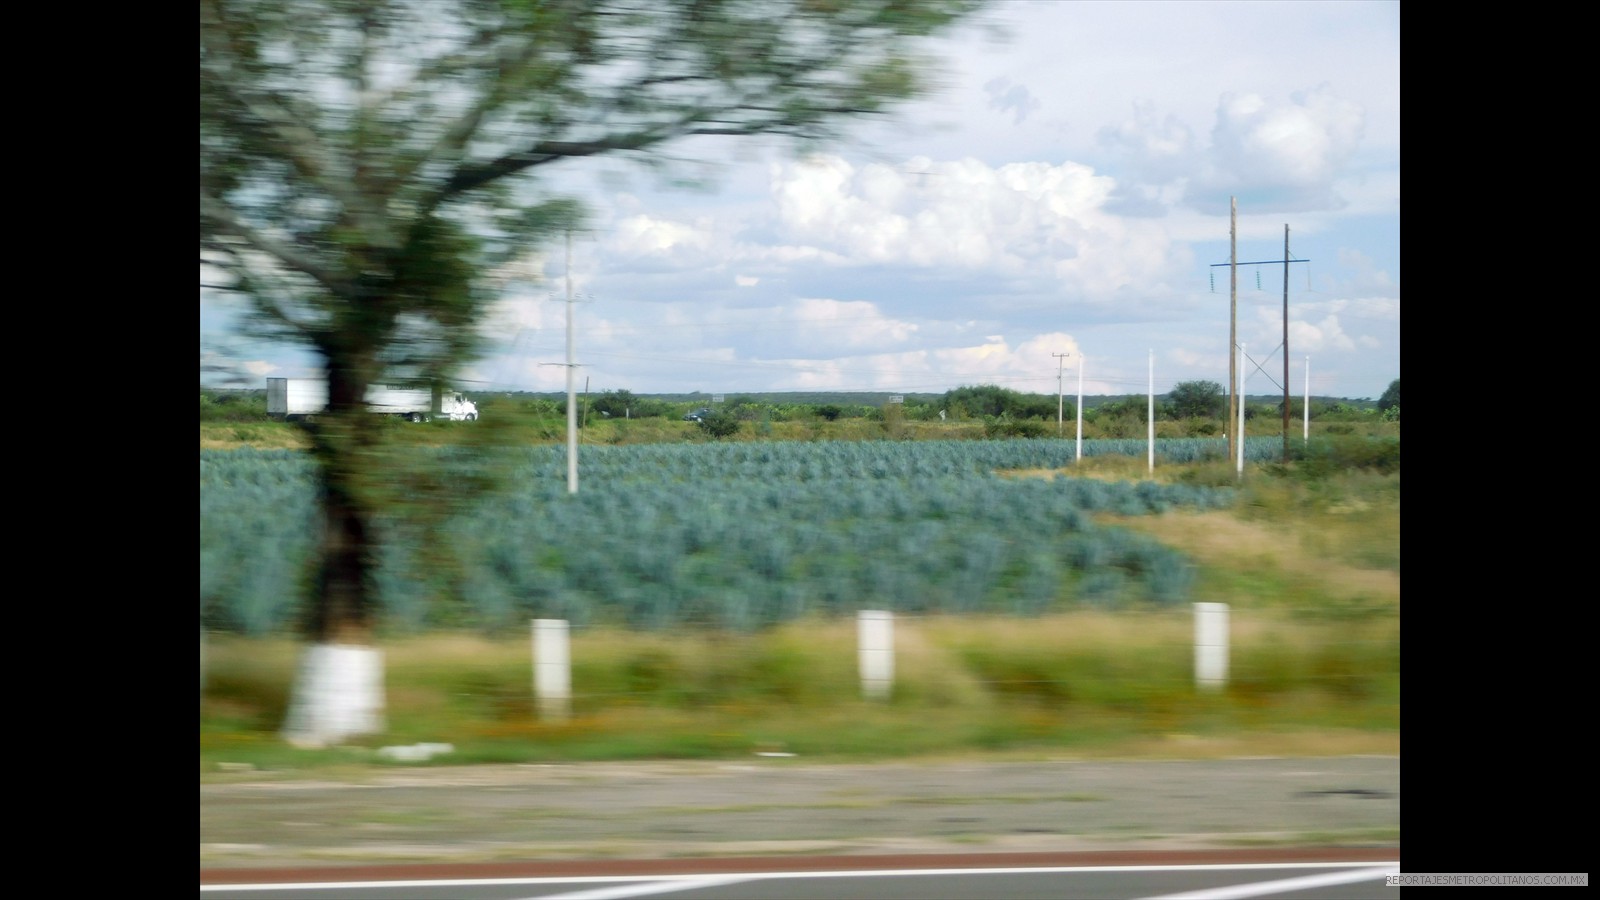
(1282, 156)
(647, 236)
(1023, 219)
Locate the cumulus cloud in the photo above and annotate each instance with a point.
(1032, 220)
(1279, 156)
(646, 236)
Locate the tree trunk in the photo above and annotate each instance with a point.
(338, 690)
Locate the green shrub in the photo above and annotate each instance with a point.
(1325, 456)
(1004, 427)
(720, 424)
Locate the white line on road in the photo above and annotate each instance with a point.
(654, 882)
(1257, 889)
(664, 886)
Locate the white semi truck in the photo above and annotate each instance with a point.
(301, 398)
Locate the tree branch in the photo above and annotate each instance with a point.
(295, 141)
(225, 221)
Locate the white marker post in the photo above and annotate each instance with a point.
(876, 635)
(1211, 645)
(552, 671)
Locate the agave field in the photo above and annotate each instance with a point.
(737, 535)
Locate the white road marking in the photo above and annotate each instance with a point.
(663, 886)
(648, 884)
(1282, 885)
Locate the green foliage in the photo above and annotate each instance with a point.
(1391, 397)
(1389, 403)
(616, 405)
(720, 423)
(829, 411)
(1131, 409)
(232, 405)
(1196, 399)
(1323, 457)
(1007, 427)
(990, 401)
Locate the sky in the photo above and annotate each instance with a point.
(1054, 212)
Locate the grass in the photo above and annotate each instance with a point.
(1093, 684)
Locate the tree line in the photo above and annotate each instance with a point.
(1198, 400)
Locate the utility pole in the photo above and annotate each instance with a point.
(1079, 455)
(1305, 414)
(1286, 343)
(1240, 470)
(572, 388)
(1150, 413)
(1061, 406)
(572, 375)
(1236, 360)
(1233, 318)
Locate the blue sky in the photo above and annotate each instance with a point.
(1066, 190)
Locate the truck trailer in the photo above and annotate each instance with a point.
(303, 398)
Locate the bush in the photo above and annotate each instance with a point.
(1003, 427)
(1325, 456)
(232, 406)
(719, 423)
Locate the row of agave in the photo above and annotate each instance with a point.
(734, 535)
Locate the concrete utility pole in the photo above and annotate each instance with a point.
(1080, 408)
(572, 387)
(1240, 471)
(572, 375)
(1305, 417)
(1061, 404)
(1150, 414)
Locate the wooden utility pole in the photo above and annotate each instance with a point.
(1233, 321)
(1285, 343)
(1235, 358)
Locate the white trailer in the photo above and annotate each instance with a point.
(300, 398)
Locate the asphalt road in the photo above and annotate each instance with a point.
(1305, 882)
(608, 817)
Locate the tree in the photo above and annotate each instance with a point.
(367, 168)
(1390, 401)
(1196, 400)
(616, 404)
(987, 401)
(719, 423)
